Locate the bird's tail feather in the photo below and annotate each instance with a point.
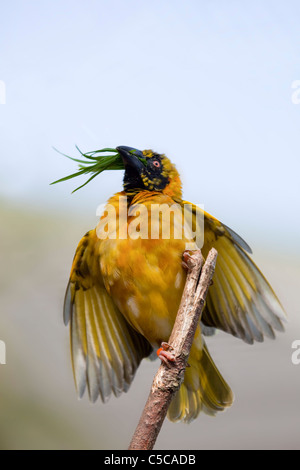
(203, 389)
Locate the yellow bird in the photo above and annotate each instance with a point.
(126, 285)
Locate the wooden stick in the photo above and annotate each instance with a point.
(168, 379)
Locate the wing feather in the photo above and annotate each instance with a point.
(106, 351)
(240, 301)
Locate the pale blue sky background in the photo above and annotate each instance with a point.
(208, 83)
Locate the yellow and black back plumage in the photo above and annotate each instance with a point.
(124, 293)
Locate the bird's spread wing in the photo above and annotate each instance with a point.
(106, 350)
(240, 301)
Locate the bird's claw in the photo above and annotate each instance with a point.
(187, 261)
(165, 355)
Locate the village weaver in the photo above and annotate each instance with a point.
(124, 292)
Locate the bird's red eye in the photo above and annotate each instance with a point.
(156, 163)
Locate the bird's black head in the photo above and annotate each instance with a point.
(146, 170)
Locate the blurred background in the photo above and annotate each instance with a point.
(214, 86)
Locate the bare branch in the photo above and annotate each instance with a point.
(168, 379)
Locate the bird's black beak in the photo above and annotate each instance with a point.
(131, 158)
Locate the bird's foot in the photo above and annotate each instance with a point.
(165, 355)
(187, 262)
